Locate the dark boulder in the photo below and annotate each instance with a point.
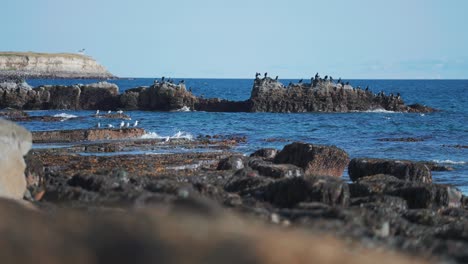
(290, 192)
(402, 169)
(265, 153)
(269, 169)
(314, 159)
(416, 194)
(231, 163)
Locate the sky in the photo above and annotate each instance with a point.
(353, 39)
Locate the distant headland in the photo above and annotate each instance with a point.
(51, 65)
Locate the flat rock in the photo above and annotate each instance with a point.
(314, 159)
(62, 136)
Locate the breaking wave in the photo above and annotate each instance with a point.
(183, 109)
(449, 162)
(65, 116)
(178, 135)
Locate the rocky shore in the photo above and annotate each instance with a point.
(293, 199)
(268, 95)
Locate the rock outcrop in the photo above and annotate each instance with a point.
(15, 142)
(268, 95)
(51, 65)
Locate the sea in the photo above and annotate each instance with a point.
(358, 133)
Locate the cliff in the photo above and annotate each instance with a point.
(51, 65)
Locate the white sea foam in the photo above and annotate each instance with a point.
(65, 116)
(178, 135)
(380, 110)
(183, 109)
(449, 162)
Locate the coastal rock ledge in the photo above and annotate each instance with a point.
(51, 65)
(268, 95)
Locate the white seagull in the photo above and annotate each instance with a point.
(109, 111)
(120, 112)
(136, 123)
(110, 126)
(98, 125)
(122, 124)
(97, 112)
(128, 124)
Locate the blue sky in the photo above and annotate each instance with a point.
(375, 39)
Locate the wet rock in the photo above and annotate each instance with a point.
(433, 166)
(384, 201)
(34, 174)
(247, 184)
(101, 95)
(417, 194)
(57, 136)
(59, 96)
(402, 169)
(15, 142)
(265, 153)
(269, 169)
(290, 192)
(418, 108)
(314, 159)
(231, 163)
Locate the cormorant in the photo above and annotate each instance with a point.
(256, 75)
(276, 79)
(162, 79)
(266, 74)
(300, 81)
(331, 79)
(339, 80)
(317, 76)
(347, 83)
(326, 77)
(367, 88)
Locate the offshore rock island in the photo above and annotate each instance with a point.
(268, 95)
(51, 65)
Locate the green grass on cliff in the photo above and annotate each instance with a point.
(39, 54)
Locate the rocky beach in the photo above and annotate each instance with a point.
(199, 199)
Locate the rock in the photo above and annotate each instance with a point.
(59, 96)
(101, 95)
(50, 65)
(167, 96)
(292, 191)
(402, 169)
(15, 142)
(269, 169)
(231, 163)
(418, 195)
(265, 153)
(418, 108)
(34, 174)
(314, 159)
(408, 139)
(58, 136)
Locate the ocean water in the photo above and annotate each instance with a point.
(356, 133)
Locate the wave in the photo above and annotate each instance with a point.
(183, 109)
(449, 162)
(178, 135)
(380, 110)
(65, 116)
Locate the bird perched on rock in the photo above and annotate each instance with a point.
(136, 123)
(109, 111)
(120, 112)
(97, 112)
(128, 124)
(276, 79)
(98, 125)
(110, 126)
(266, 73)
(300, 81)
(122, 124)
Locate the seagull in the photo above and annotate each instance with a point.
(120, 112)
(122, 124)
(98, 125)
(110, 126)
(136, 123)
(97, 112)
(128, 124)
(109, 111)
